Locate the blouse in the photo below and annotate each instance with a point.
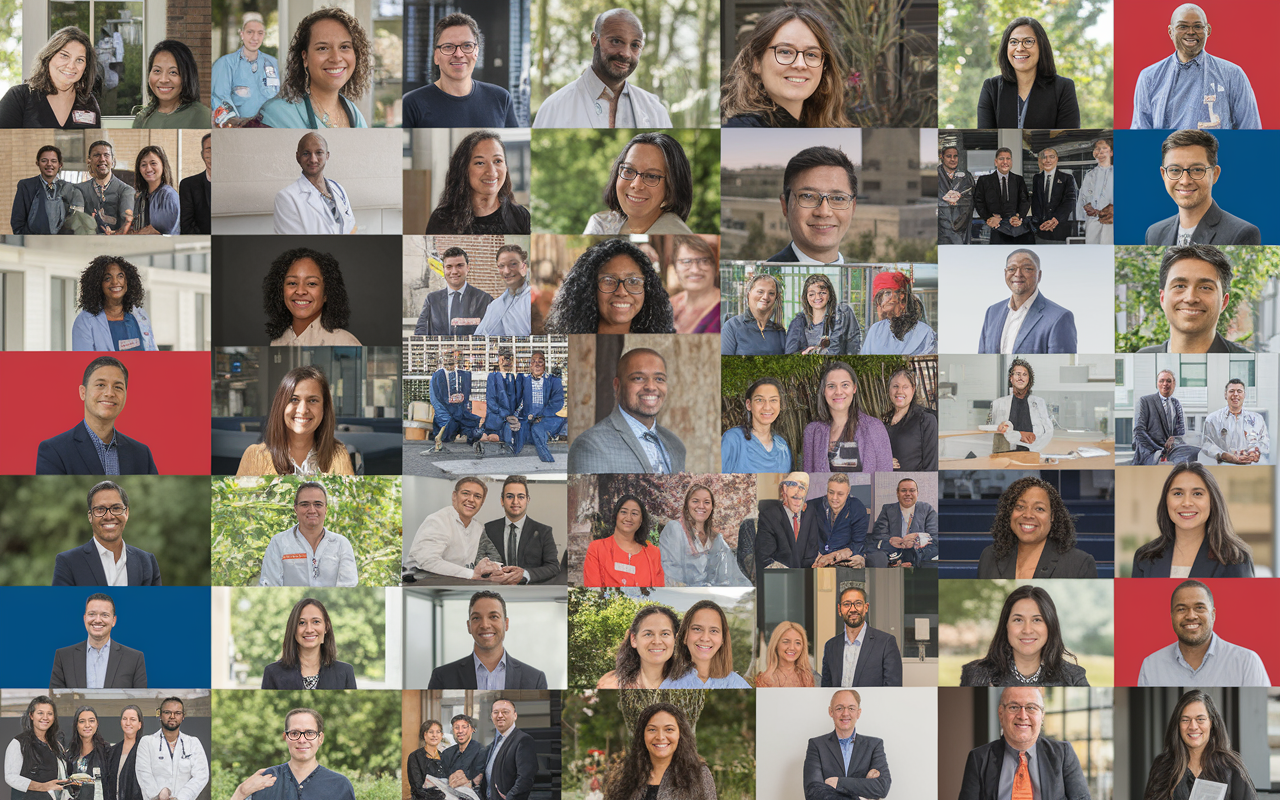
(873, 445)
(612, 223)
(686, 564)
(763, 680)
(914, 441)
(975, 673)
(510, 218)
(160, 210)
(257, 461)
(419, 765)
(708, 322)
(192, 115)
(280, 113)
(690, 680)
(22, 107)
(739, 454)
(607, 564)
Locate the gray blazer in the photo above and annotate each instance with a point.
(126, 668)
(1151, 428)
(1216, 227)
(609, 446)
(1060, 775)
(1075, 563)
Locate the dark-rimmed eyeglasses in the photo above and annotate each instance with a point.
(294, 736)
(786, 56)
(609, 284)
(1026, 43)
(116, 510)
(837, 200)
(449, 49)
(649, 178)
(1175, 172)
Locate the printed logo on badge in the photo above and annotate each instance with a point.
(84, 117)
(241, 91)
(271, 71)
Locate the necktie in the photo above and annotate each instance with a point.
(453, 296)
(1022, 780)
(662, 467)
(1004, 188)
(795, 526)
(511, 544)
(453, 382)
(1168, 412)
(493, 753)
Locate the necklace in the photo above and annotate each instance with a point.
(1028, 679)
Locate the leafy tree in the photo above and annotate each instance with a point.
(247, 512)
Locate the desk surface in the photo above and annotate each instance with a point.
(1019, 460)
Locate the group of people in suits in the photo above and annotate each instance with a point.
(505, 768)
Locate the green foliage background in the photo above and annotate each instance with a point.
(572, 166)
(259, 617)
(43, 516)
(969, 36)
(247, 512)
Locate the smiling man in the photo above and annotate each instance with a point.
(844, 763)
(1200, 657)
(95, 447)
(501, 399)
(488, 666)
(450, 392)
(1233, 435)
(99, 662)
(630, 440)
(313, 204)
(789, 535)
(43, 203)
(521, 541)
(463, 762)
(511, 313)
(1022, 763)
(1022, 420)
(107, 199)
(456, 100)
(450, 542)
(1195, 285)
(301, 777)
(1028, 322)
(1190, 169)
(1003, 203)
(906, 532)
(1190, 88)
(1053, 200)
(309, 554)
(106, 560)
(1157, 422)
(511, 763)
(541, 400)
(860, 655)
(172, 765)
(819, 197)
(458, 309)
(602, 97)
(842, 525)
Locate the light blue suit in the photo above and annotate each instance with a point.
(1048, 328)
(501, 401)
(93, 331)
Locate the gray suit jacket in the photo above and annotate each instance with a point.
(823, 760)
(1060, 775)
(1151, 428)
(1216, 227)
(609, 446)
(126, 668)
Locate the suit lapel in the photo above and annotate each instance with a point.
(85, 450)
(79, 669)
(832, 743)
(90, 554)
(859, 745)
(1208, 227)
(1048, 562)
(514, 673)
(133, 568)
(113, 664)
(1203, 565)
(993, 340)
(1028, 325)
(628, 438)
(862, 656)
(1050, 786)
(992, 765)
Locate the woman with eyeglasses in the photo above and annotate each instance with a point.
(824, 326)
(309, 658)
(1028, 92)
(790, 73)
(650, 189)
(456, 100)
(628, 294)
(477, 197)
(33, 762)
(121, 779)
(753, 332)
(1197, 746)
(1027, 649)
(697, 307)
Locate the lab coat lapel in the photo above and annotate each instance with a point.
(316, 202)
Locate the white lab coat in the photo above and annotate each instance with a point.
(301, 209)
(573, 106)
(185, 773)
(1041, 423)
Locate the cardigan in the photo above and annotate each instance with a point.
(257, 461)
(873, 445)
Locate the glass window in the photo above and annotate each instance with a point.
(117, 31)
(1194, 374)
(919, 601)
(1273, 735)
(1119, 372)
(388, 63)
(1244, 371)
(1083, 717)
(62, 304)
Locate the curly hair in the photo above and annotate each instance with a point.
(336, 312)
(1031, 373)
(297, 81)
(902, 324)
(744, 92)
(627, 660)
(678, 198)
(575, 310)
(92, 298)
(1217, 761)
(454, 205)
(630, 779)
(188, 73)
(1062, 528)
(1225, 545)
(999, 658)
(41, 83)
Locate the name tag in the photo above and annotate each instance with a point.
(627, 568)
(271, 73)
(128, 344)
(288, 556)
(465, 321)
(271, 83)
(84, 117)
(455, 398)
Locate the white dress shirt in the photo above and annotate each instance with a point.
(117, 574)
(578, 105)
(1013, 322)
(444, 545)
(852, 649)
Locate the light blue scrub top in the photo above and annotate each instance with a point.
(236, 83)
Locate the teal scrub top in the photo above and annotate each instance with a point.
(280, 113)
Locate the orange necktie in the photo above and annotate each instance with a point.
(1022, 780)
(795, 526)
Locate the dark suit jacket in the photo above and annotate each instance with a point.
(976, 674)
(434, 319)
(1060, 204)
(1060, 775)
(126, 668)
(461, 674)
(552, 395)
(515, 767)
(1051, 104)
(785, 256)
(194, 195)
(1151, 428)
(1220, 345)
(879, 663)
(338, 675)
(1074, 563)
(987, 200)
(72, 453)
(1216, 227)
(1047, 328)
(889, 524)
(82, 567)
(823, 760)
(1202, 567)
(439, 394)
(537, 549)
(776, 542)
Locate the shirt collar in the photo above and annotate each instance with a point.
(507, 522)
(596, 87)
(461, 290)
(853, 734)
(106, 647)
(502, 662)
(1025, 306)
(108, 445)
(805, 258)
(635, 423)
(860, 638)
(1030, 751)
(905, 511)
(102, 551)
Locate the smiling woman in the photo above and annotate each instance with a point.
(328, 67)
(662, 762)
(477, 197)
(1027, 648)
(627, 292)
(650, 189)
(309, 657)
(173, 81)
(1028, 92)
(298, 431)
(624, 556)
(1034, 536)
(305, 300)
(59, 92)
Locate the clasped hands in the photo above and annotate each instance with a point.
(487, 570)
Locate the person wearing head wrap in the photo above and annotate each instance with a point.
(901, 329)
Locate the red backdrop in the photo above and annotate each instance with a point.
(1142, 39)
(1245, 607)
(167, 408)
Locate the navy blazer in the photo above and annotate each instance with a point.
(879, 663)
(338, 675)
(1060, 775)
(81, 566)
(1047, 328)
(72, 453)
(1216, 227)
(1059, 205)
(439, 394)
(552, 395)
(434, 319)
(776, 542)
(1202, 567)
(824, 760)
(461, 674)
(515, 767)
(889, 524)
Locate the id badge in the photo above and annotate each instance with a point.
(270, 78)
(455, 398)
(627, 568)
(128, 344)
(84, 117)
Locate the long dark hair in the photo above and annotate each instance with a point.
(630, 779)
(998, 661)
(1044, 66)
(855, 407)
(1062, 528)
(188, 73)
(782, 403)
(454, 205)
(92, 298)
(1216, 763)
(276, 438)
(328, 648)
(627, 661)
(100, 744)
(575, 310)
(642, 533)
(42, 83)
(27, 739)
(166, 174)
(1225, 545)
(917, 402)
(337, 309)
(678, 197)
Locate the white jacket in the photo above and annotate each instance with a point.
(301, 209)
(573, 106)
(1041, 424)
(185, 772)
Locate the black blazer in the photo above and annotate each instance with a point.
(1238, 787)
(776, 541)
(785, 256)
(194, 195)
(879, 664)
(987, 200)
(72, 453)
(338, 675)
(418, 766)
(126, 668)
(434, 319)
(1051, 104)
(975, 674)
(1202, 567)
(824, 760)
(461, 674)
(82, 567)
(128, 788)
(515, 767)
(1059, 204)
(537, 549)
(1060, 775)
(1075, 563)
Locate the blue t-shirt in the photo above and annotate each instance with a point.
(738, 454)
(322, 784)
(488, 106)
(125, 334)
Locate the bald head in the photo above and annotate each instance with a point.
(1180, 11)
(619, 14)
(641, 384)
(624, 363)
(312, 155)
(1188, 30)
(312, 139)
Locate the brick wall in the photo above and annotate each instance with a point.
(190, 22)
(482, 255)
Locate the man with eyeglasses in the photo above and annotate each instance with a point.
(309, 554)
(1192, 89)
(1053, 200)
(630, 440)
(105, 560)
(788, 532)
(522, 542)
(1195, 286)
(906, 532)
(602, 97)
(511, 314)
(301, 777)
(1022, 764)
(1190, 169)
(845, 763)
(99, 662)
(456, 100)
(313, 204)
(955, 198)
(860, 655)
(1028, 322)
(541, 400)
(457, 309)
(819, 196)
(172, 765)
(1003, 202)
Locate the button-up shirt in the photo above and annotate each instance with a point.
(654, 450)
(536, 383)
(1205, 92)
(316, 336)
(485, 679)
(852, 649)
(95, 664)
(1013, 322)
(846, 749)
(1225, 432)
(1224, 664)
(1009, 768)
(321, 784)
(509, 315)
(444, 545)
(498, 741)
(290, 561)
(108, 454)
(117, 575)
(804, 258)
